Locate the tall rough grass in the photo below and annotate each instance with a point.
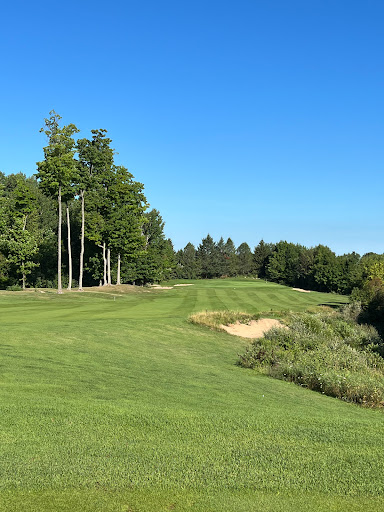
(215, 319)
(326, 352)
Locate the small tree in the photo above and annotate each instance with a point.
(21, 246)
(156, 261)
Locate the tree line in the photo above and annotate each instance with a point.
(317, 268)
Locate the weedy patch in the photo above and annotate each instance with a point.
(218, 319)
(324, 352)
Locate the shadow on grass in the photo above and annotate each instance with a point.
(333, 304)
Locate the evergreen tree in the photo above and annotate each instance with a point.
(244, 259)
(206, 258)
(261, 256)
(231, 259)
(220, 259)
(186, 259)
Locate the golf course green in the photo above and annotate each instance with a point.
(112, 401)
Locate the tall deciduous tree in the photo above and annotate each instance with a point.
(127, 204)
(325, 269)
(22, 196)
(95, 159)
(56, 172)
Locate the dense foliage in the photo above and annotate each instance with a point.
(108, 235)
(326, 352)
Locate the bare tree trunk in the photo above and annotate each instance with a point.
(69, 251)
(109, 266)
(105, 266)
(59, 288)
(118, 281)
(24, 227)
(82, 241)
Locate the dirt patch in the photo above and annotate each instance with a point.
(189, 284)
(254, 329)
(115, 289)
(301, 290)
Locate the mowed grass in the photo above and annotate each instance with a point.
(115, 402)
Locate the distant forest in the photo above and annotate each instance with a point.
(82, 221)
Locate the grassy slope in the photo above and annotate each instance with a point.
(121, 405)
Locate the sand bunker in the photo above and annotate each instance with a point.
(301, 290)
(189, 284)
(254, 329)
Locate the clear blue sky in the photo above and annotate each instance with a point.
(249, 119)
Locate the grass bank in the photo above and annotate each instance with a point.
(115, 402)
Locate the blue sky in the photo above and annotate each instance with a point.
(249, 119)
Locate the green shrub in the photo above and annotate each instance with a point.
(45, 283)
(324, 352)
(351, 311)
(14, 288)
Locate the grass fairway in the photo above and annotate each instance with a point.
(114, 402)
